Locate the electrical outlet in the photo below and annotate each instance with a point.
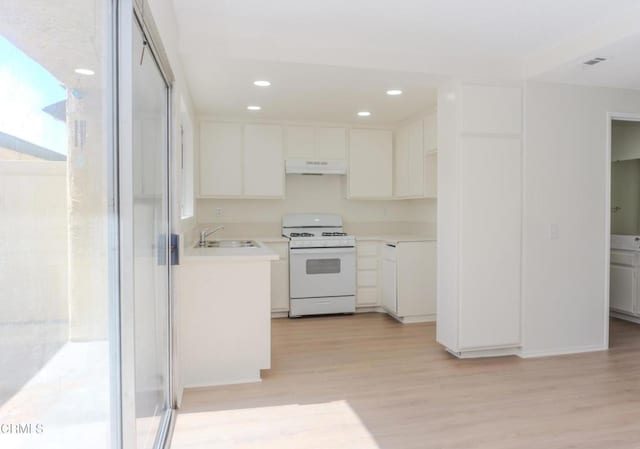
(218, 212)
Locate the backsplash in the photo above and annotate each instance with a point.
(315, 194)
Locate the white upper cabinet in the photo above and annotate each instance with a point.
(401, 163)
(430, 175)
(220, 159)
(300, 142)
(430, 130)
(263, 161)
(409, 165)
(331, 143)
(370, 164)
(416, 159)
(316, 143)
(430, 172)
(239, 160)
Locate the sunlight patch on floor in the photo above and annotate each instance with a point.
(68, 397)
(330, 425)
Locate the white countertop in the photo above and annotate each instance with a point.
(262, 252)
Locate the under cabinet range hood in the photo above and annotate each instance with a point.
(315, 167)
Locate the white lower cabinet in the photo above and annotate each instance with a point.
(367, 293)
(409, 280)
(623, 297)
(280, 278)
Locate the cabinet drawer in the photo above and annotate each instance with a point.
(367, 263)
(367, 296)
(623, 257)
(367, 249)
(367, 278)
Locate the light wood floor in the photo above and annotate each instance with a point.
(367, 382)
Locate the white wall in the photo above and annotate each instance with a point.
(315, 194)
(565, 184)
(34, 304)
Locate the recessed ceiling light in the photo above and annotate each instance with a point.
(84, 72)
(254, 108)
(364, 113)
(394, 92)
(262, 83)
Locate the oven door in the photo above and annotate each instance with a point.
(322, 272)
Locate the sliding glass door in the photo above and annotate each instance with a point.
(151, 268)
(59, 294)
(84, 227)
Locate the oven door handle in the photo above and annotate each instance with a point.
(323, 251)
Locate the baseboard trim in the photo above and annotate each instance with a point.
(483, 353)
(561, 351)
(370, 309)
(428, 318)
(624, 316)
(217, 383)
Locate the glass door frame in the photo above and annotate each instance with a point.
(129, 14)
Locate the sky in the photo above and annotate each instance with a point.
(25, 89)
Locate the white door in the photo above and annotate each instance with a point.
(389, 285)
(623, 288)
(151, 247)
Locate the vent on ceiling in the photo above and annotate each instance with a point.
(594, 61)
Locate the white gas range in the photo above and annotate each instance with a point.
(322, 265)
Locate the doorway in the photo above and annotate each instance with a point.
(624, 226)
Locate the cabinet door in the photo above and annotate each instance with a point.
(331, 143)
(431, 175)
(416, 278)
(489, 236)
(263, 161)
(401, 163)
(280, 286)
(430, 130)
(370, 163)
(623, 288)
(220, 165)
(389, 290)
(416, 160)
(300, 142)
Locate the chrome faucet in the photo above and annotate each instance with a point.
(206, 233)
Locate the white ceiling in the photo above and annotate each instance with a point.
(621, 68)
(315, 52)
(60, 39)
(307, 92)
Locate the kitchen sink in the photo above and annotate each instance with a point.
(228, 244)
